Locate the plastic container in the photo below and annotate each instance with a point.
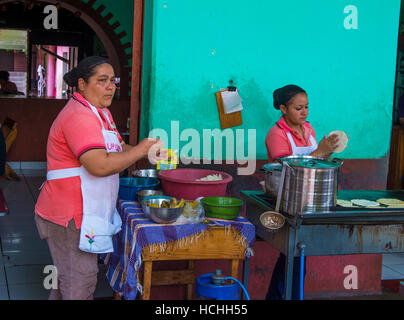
(222, 207)
(128, 187)
(183, 184)
(205, 288)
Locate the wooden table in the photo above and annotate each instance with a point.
(142, 242)
(215, 244)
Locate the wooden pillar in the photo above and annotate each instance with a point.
(396, 160)
(136, 80)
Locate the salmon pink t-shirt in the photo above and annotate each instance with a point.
(277, 142)
(75, 130)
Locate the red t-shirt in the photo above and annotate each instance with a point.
(277, 142)
(75, 130)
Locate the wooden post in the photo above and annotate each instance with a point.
(136, 80)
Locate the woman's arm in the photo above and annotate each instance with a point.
(101, 164)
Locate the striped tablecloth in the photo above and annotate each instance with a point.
(139, 232)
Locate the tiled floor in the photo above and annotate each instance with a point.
(393, 266)
(23, 254)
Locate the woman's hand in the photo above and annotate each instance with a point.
(326, 146)
(154, 149)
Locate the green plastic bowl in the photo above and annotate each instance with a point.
(222, 207)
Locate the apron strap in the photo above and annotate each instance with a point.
(63, 173)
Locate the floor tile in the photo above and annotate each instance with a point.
(4, 293)
(11, 259)
(27, 243)
(10, 230)
(28, 274)
(20, 209)
(393, 258)
(2, 276)
(34, 291)
(389, 274)
(103, 289)
(397, 268)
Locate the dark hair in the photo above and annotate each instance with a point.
(85, 69)
(4, 75)
(285, 94)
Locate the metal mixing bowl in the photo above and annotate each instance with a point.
(145, 193)
(160, 215)
(145, 173)
(272, 220)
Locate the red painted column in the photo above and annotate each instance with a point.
(51, 73)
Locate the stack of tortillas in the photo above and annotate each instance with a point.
(365, 203)
(342, 140)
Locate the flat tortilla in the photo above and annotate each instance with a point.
(390, 202)
(343, 140)
(396, 206)
(344, 203)
(365, 203)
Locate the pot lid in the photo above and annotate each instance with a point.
(312, 162)
(272, 167)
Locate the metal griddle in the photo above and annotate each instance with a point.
(337, 231)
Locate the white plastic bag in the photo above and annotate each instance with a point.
(193, 213)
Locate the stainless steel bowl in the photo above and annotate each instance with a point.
(144, 193)
(161, 215)
(272, 220)
(145, 173)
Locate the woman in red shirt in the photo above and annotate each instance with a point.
(293, 135)
(76, 209)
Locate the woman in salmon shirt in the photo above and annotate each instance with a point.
(76, 209)
(293, 135)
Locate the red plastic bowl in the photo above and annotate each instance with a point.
(182, 184)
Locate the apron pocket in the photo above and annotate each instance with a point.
(96, 233)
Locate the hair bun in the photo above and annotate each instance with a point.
(283, 95)
(276, 99)
(72, 77)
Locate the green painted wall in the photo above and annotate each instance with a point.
(197, 47)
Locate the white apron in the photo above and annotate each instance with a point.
(302, 151)
(101, 220)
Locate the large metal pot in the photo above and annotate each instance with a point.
(310, 184)
(272, 178)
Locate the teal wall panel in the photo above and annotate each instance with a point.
(196, 48)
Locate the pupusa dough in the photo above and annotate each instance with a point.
(342, 140)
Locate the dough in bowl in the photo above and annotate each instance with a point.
(343, 140)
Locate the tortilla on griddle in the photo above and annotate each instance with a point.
(344, 203)
(342, 140)
(396, 206)
(365, 203)
(390, 201)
